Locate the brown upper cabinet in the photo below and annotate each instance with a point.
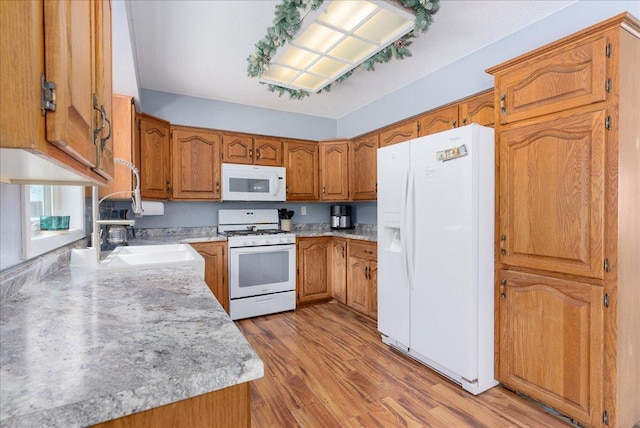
(334, 170)
(123, 130)
(438, 120)
(560, 80)
(246, 149)
(477, 109)
(301, 163)
(71, 61)
(399, 133)
(153, 141)
(551, 194)
(363, 168)
(195, 155)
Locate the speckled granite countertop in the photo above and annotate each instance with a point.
(351, 234)
(81, 347)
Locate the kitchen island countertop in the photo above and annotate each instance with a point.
(83, 346)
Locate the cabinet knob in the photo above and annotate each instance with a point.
(250, 153)
(257, 153)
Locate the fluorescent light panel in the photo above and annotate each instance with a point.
(336, 38)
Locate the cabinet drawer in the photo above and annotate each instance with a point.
(563, 79)
(363, 250)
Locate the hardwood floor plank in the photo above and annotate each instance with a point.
(315, 415)
(325, 366)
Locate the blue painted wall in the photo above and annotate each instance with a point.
(195, 214)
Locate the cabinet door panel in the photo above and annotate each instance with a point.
(154, 158)
(301, 162)
(339, 269)
(571, 77)
(104, 88)
(215, 270)
(552, 202)
(358, 294)
(551, 344)
(196, 165)
(69, 34)
(363, 168)
(439, 120)
(478, 109)
(373, 290)
(334, 171)
(268, 152)
(399, 133)
(313, 263)
(237, 149)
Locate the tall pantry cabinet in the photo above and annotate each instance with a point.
(568, 289)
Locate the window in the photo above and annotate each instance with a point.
(47, 200)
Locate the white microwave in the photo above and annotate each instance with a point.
(253, 183)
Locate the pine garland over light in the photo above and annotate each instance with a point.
(288, 20)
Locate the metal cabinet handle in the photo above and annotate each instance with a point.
(503, 103)
(257, 153)
(503, 251)
(103, 120)
(368, 252)
(455, 124)
(324, 190)
(250, 153)
(464, 121)
(366, 272)
(503, 282)
(217, 187)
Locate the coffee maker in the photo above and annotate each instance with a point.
(341, 217)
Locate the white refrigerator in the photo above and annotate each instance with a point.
(436, 252)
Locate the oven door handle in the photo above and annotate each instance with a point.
(258, 302)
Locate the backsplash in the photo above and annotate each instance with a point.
(13, 279)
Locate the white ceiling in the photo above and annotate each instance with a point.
(200, 48)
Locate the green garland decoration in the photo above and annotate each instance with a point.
(287, 22)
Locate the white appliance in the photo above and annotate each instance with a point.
(436, 252)
(253, 182)
(261, 261)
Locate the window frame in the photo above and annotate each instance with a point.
(63, 199)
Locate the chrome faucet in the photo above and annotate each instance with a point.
(95, 208)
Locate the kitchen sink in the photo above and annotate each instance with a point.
(146, 256)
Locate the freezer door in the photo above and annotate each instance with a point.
(444, 301)
(393, 289)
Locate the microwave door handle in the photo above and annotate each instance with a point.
(279, 186)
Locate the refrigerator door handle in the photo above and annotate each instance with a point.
(406, 228)
(410, 227)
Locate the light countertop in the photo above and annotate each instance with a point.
(81, 347)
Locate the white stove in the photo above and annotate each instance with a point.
(262, 262)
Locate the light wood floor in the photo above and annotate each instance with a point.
(325, 366)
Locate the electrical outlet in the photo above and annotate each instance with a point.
(303, 210)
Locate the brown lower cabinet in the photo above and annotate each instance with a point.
(362, 278)
(339, 268)
(228, 407)
(215, 269)
(551, 341)
(312, 284)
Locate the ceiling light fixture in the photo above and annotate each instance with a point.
(333, 38)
